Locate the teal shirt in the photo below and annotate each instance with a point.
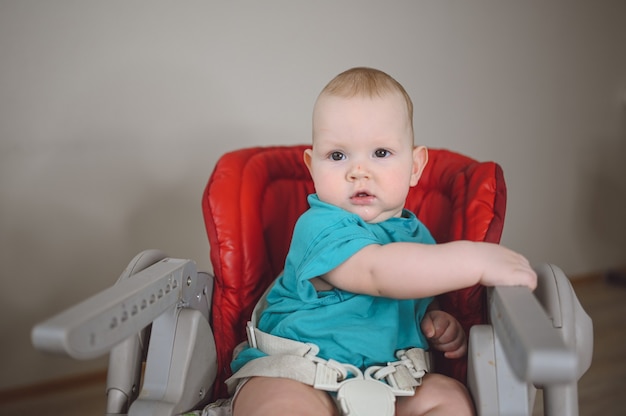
(361, 330)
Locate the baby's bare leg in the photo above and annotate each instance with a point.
(274, 396)
(438, 395)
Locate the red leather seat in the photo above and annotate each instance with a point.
(254, 197)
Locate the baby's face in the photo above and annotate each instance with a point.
(363, 159)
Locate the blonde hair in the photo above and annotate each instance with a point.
(367, 82)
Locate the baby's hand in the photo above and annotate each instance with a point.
(504, 267)
(444, 333)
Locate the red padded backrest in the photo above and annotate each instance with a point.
(254, 197)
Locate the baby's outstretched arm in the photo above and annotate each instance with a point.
(412, 270)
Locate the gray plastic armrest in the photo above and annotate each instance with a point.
(547, 336)
(568, 317)
(533, 349)
(542, 339)
(96, 325)
(181, 361)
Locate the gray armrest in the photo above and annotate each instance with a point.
(96, 325)
(542, 339)
(532, 347)
(181, 363)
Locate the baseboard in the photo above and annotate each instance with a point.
(53, 386)
(585, 278)
(615, 276)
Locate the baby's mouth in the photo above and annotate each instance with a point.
(361, 197)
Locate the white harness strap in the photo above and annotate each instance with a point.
(289, 359)
(299, 361)
(285, 366)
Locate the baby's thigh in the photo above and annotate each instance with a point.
(438, 394)
(272, 396)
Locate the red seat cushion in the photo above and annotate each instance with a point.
(254, 197)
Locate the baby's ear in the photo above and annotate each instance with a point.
(420, 159)
(307, 156)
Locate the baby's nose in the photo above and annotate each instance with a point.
(358, 171)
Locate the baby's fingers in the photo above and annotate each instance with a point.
(525, 274)
(428, 326)
(457, 352)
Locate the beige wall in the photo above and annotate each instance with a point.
(113, 113)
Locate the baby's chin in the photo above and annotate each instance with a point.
(368, 213)
(374, 216)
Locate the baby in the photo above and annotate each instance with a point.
(362, 271)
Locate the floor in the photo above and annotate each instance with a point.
(603, 387)
(600, 389)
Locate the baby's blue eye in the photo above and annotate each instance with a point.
(381, 153)
(337, 156)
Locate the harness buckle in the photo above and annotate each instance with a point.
(404, 375)
(416, 361)
(330, 375)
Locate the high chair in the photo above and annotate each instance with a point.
(185, 324)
